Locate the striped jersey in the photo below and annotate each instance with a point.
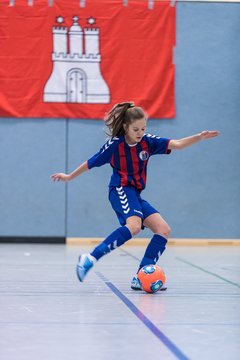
(129, 162)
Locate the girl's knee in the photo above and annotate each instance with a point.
(164, 230)
(135, 229)
(134, 225)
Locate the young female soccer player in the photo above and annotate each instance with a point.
(128, 151)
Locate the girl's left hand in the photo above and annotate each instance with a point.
(206, 134)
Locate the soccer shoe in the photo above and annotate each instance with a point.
(83, 266)
(163, 288)
(136, 285)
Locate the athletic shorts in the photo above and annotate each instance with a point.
(126, 201)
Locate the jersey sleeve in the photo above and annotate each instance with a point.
(158, 145)
(104, 155)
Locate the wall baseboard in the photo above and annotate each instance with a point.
(32, 239)
(97, 240)
(172, 241)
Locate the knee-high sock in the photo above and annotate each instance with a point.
(114, 240)
(154, 250)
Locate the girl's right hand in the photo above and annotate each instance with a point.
(60, 177)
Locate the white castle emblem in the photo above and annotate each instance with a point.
(76, 76)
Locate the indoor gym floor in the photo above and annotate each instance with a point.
(45, 313)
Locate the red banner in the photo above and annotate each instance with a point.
(67, 61)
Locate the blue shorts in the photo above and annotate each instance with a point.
(126, 201)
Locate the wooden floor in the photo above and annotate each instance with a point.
(45, 313)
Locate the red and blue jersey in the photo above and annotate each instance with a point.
(129, 162)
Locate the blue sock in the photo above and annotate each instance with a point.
(114, 240)
(154, 250)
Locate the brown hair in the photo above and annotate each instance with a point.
(120, 114)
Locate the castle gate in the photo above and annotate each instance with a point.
(76, 86)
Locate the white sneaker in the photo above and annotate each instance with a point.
(136, 284)
(83, 266)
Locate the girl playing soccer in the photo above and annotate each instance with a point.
(128, 151)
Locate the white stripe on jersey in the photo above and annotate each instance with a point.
(108, 143)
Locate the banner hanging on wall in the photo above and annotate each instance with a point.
(72, 61)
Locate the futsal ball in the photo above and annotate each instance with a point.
(152, 278)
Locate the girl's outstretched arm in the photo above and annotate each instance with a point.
(188, 141)
(66, 177)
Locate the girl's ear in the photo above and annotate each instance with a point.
(125, 127)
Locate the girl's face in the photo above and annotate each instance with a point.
(135, 131)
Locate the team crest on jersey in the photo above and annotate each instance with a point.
(143, 155)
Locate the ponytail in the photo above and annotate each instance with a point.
(120, 114)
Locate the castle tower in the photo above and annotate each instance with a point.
(91, 41)
(76, 35)
(59, 38)
(76, 77)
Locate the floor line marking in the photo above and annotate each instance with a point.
(77, 323)
(129, 254)
(208, 272)
(158, 333)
